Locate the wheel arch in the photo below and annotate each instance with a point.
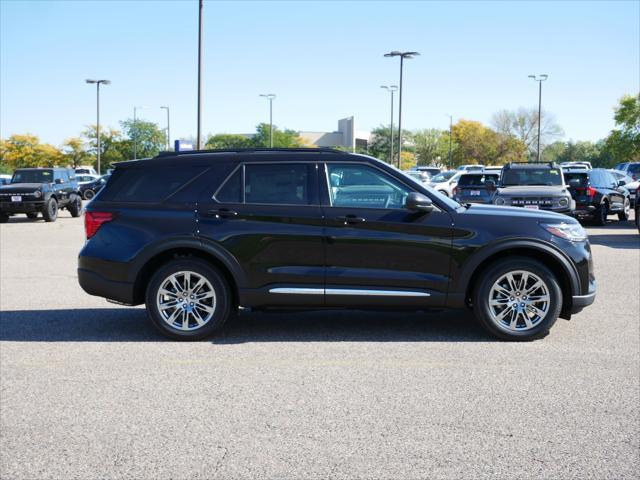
(156, 257)
(553, 259)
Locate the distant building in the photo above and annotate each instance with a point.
(346, 136)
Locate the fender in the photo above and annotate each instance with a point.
(459, 287)
(190, 242)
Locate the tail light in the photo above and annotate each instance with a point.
(94, 220)
(591, 192)
(455, 191)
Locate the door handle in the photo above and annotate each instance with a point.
(350, 219)
(222, 213)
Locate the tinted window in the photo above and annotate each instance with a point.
(443, 177)
(231, 191)
(583, 178)
(33, 176)
(633, 169)
(531, 176)
(280, 184)
(476, 180)
(364, 186)
(147, 184)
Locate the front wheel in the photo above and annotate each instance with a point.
(519, 299)
(601, 214)
(624, 215)
(50, 210)
(188, 299)
(4, 218)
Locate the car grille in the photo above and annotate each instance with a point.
(540, 201)
(9, 195)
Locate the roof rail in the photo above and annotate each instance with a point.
(550, 164)
(252, 150)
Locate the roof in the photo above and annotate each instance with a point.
(530, 165)
(206, 157)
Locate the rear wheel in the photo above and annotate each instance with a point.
(188, 299)
(75, 207)
(519, 299)
(89, 194)
(50, 210)
(624, 215)
(602, 213)
(32, 215)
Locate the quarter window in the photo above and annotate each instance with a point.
(365, 187)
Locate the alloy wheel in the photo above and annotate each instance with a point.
(519, 301)
(186, 301)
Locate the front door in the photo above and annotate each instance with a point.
(378, 252)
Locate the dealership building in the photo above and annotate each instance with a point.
(346, 136)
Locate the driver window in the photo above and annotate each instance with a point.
(352, 185)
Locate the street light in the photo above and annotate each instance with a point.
(98, 82)
(168, 130)
(402, 55)
(270, 97)
(135, 132)
(450, 132)
(199, 130)
(539, 78)
(391, 89)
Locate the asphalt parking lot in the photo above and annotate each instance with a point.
(90, 390)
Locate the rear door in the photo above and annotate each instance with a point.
(267, 216)
(616, 193)
(378, 252)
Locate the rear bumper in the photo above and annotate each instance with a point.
(95, 284)
(584, 211)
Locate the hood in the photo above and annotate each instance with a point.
(511, 212)
(20, 187)
(533, 190)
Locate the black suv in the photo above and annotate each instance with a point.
(598, 194)
(195, 235)
(40, 190)
(535, 186)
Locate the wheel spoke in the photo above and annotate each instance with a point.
(512, 282)
(168, 293)
(504, 312)
(185, 316)
(204, 307)
(536, 311)
(499, 302)
(198, 285)
(197, 317)
(172, 304)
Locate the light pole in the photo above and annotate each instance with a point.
(450, 132)
(402, 55)
(391, 89)
(135, 132)
(199, 130)
(539, 78)
(98, 82)
(270, 97)
(168, 129)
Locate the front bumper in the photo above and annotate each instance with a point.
(22, 207)
(578, 302)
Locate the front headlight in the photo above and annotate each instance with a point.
(37, 194)
(564, 201)
(569, 231)
(499, 201)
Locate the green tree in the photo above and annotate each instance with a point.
(623, 143)
(111, 146)
(381, 141)
(228, 140)
(281, 138)
(143, 139)
(432, 146)
(522, 124)
(75, 152)
(20, 151)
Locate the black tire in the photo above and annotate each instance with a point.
(32, 215)
(482, 294)
(601, 214)
(75, 207)
(89, 194)
(624, 215)
(50, 210)
(222, 305)
(4, 218)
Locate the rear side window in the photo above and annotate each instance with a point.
(476, 180)
(276, 184)
(231, 191)
(634, 169)
(147, 185)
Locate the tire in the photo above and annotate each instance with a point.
(33, 215)
(89, 194)
(220, 302)
(601, 214)
(75, 207)
(4, 218)
(624, 215)
(50, 210)
(538, 325)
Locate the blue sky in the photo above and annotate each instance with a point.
(322, 59)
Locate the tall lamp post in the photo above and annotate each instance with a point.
(168, 129)
(391, 89)
(539, 78)
(270, 97)
(135, 132)
(199, 129)
(450, 134)
(402, 55)
(98, 82)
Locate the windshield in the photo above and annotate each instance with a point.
(33, 176)
(476, 180)
(634, 168)
(443, 177)
(531, 176)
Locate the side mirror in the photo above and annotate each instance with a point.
(418, 202)
(574, 183)
(621, 183)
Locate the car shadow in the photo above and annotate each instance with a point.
(616, 241)
(132, 325)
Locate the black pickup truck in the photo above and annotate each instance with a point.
(40, 190)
